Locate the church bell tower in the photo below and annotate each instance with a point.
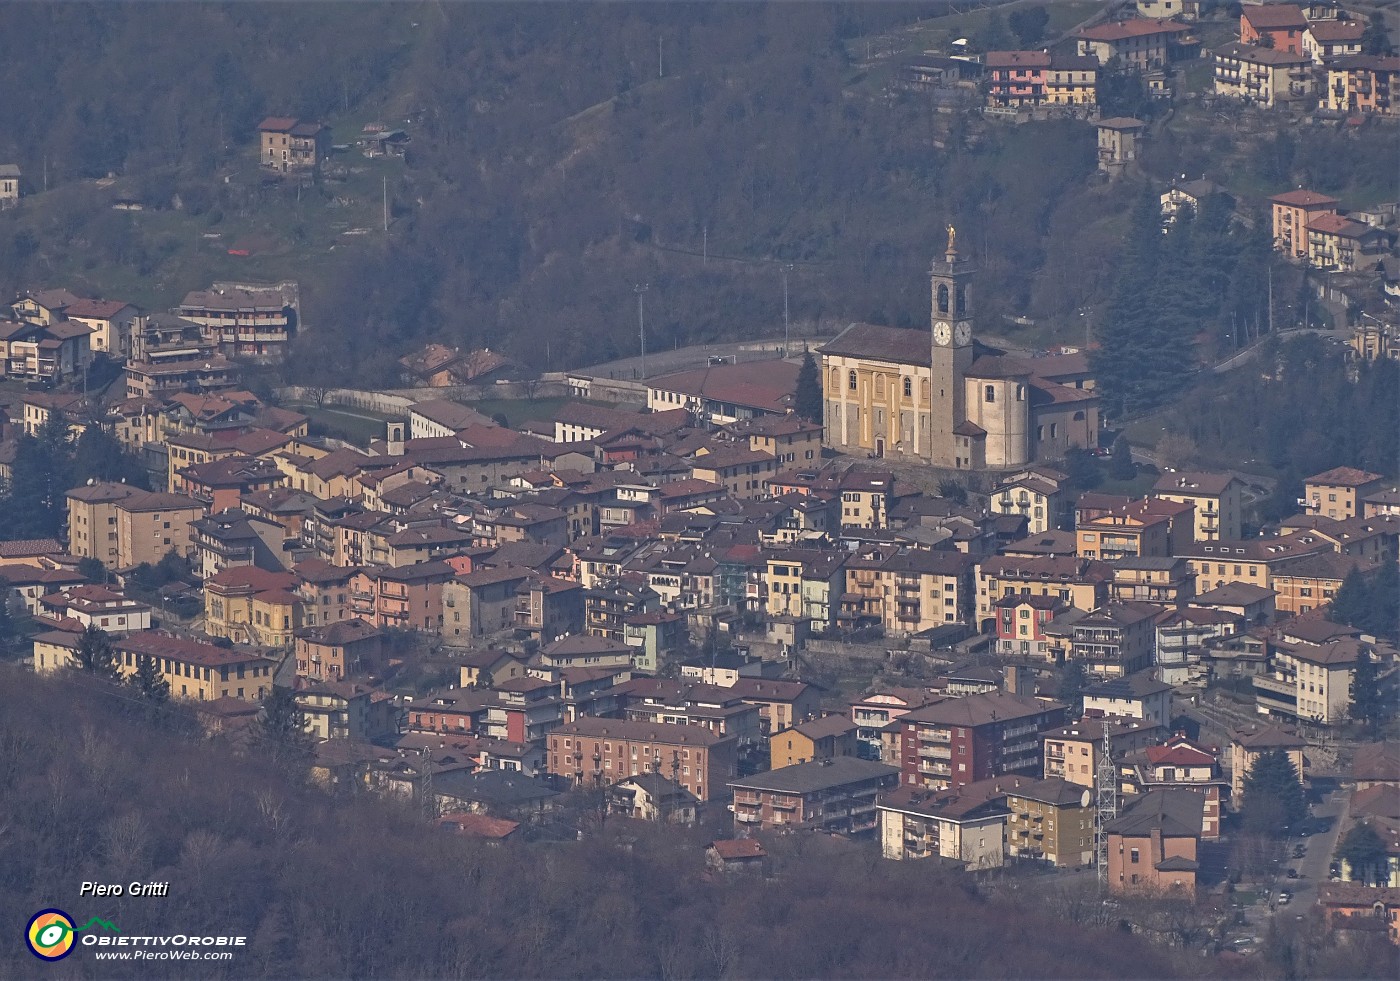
(950, 281)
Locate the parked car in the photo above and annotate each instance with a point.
(1299, 851)
(1284, 897)
(1293, 873)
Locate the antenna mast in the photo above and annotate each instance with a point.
(1106, 783)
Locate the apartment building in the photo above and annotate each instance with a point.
(916, 823)
(1078, 582)
(1153, 845)
(121, 526)
(836, 796)
(254, 321)
(1364, 84)
(1072, 752)
(1216, 497)
(600, 752)
(1292, 212)
(961, 740)
(1338, 493)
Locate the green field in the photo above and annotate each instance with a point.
(352, 425)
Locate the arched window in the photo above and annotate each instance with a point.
(851, 381)
(1020, 393)
(1079, 417)
(942, 298)
(908, 388)
(990, 394)
(962, 300)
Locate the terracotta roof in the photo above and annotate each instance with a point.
(1343, 477)
(1018, 59)
(1334, 30)
(1303, 199)
(1333, 224)
(1274, 16)
(766, 385)
(731, 849)
(1137, 27)
(876, 343)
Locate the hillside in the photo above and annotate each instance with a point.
(562, 154)
(326, 887)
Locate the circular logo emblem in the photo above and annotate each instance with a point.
(50, 934)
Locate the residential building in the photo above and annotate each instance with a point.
(1276, 26)
(548, 607)
(651, 797)
(790, 439)
(1072, 752)
(9, 185)
(1034, 493)
(1153, 845)
(1250, 561)
(957, 741)
(409, 598)
(1077, 582)
(1149, 527)
(1137, 696)
(248, 605)
(1293, 211)
(121, 527)
(231, 539)
(487, 668)
(1178, 764)
(481, 603)
(742, 856)
(196, 670)
(1358, 908)
(1112, 641)
(781, 704)
(1216, 498)
(107, 609)
(254, 321)
(345, 710)
(916, 823)
(1188, 195)
(1364, 84)
(1309, 675)
(1338, 493)
(600, 752)
(335, 651)
(1164, 581)
(1342, 245)
(44, 352)
(876, 712)
(287, 144)
(818, 739)
(1139, 43)
(1264, 77)
(111, 321)
(1313, 582)
(1248, 743)
(1021, 623)
(836, 796)
(1050, 820)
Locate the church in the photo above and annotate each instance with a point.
(946, 399)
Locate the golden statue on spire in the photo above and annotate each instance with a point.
(952, 238)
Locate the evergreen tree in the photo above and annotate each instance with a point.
(1273, 795)
(1073, 682)
(1382, 616)
(952, 490)
(281, 728)
(95, 653)
(1123, 466)
(1370, 704)
(97, 455)
(7, 627)
(92, 570)
(40, 476)
(1364, 851)
(1028, 24)
(1352, 601)
(1083, 469)
(148, 681)
(808, 400)
(1375, 39)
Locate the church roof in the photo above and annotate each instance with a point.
(998, 366)
(894, 344)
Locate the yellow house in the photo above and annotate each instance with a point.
(820, 739)
(1035, 494)
(249, 605)
(202, 672)
(1337, 493)
(1216, 498)
(1079, 582)
(790, 438)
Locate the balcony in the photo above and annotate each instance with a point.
(936, 752)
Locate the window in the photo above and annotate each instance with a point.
(1021, 397)
(851, 381)
(908, 388)
(1134, 856)
(990, 395)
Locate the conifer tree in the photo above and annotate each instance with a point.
(95, 654)
(1273, 795)
(807, 402)
(148, 681)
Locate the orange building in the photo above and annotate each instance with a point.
(1279, 26)
(1152, 846)
(1292, 213)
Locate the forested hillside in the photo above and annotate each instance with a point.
(561, 155)
(328, 887)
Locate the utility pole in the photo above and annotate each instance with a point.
(660, 65)
(640, 289)
(1271, 298)
(705, 246)
(386, 202)
(787, 268)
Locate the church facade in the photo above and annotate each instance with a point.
(946, 399)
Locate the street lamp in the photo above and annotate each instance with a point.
(640, 289)
(787, 268)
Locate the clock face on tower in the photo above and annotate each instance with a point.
(963, 334)
(942, 333)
